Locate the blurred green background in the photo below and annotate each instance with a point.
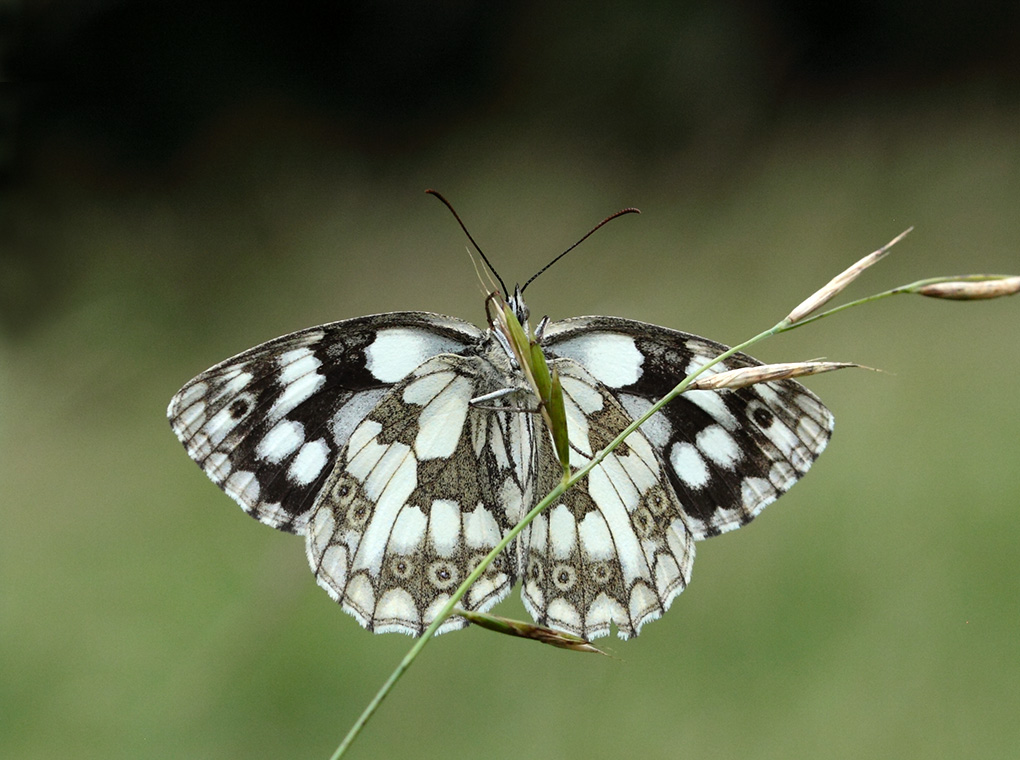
(181, 181)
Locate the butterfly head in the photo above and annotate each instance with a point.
(519, 308)
(509, 319)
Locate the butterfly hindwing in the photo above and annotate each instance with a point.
(614, 548)
(267, 424)
(727, 454)
(418, 497)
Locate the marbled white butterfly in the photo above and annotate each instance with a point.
(403, 446)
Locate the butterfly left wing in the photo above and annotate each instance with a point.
(614, 548)
(426, 486)
(266, 425)
(727, 454)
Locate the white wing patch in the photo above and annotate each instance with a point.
(718, 446)
(442, 397)
(397, 351)
(300, 379)
(282, 440)
(444, 527)
(309, 462)
(689, 465)
(613, 358)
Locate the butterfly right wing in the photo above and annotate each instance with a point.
(266, 425)
(728, 454)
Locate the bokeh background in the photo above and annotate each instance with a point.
(182, 180)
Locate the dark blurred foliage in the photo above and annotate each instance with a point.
(140, 78)
(132, 84)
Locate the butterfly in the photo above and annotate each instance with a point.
(403, 447)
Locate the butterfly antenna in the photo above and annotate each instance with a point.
(587, 235)
(463, 227)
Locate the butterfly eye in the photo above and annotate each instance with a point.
(519, 307)
(522, 312)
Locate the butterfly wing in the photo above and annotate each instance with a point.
(727, 454)
(267, 425)
(361, 435)
(425, 487)
(615, 547)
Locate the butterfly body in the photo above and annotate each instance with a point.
(404, 446)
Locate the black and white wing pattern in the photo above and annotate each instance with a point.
(726, 454)
(424, 489)
(615, 548)
(405, 446)
(267, 425)
(360, 435)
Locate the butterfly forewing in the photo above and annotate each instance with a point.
(727, 454)
(267, 424)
